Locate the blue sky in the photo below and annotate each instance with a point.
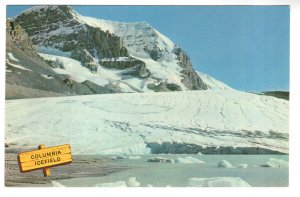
(246, 47)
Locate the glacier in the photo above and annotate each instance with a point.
(211, 122)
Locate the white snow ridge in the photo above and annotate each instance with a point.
(213, 83)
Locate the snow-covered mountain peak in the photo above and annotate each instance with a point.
(149, 61)
(140, 38)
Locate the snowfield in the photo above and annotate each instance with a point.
(212, 121)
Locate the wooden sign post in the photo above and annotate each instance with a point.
(44, 158)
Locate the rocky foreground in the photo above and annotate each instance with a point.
(82, 166)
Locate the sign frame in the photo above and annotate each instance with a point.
(43, 154)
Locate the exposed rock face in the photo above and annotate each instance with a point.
(155, 53)
(186, 148)
(164, 87)
(190, 78)
(15, 34)
(160, 160)
(123, 63)
(139, 71)
(40, 22)
(56, 27)
(107, 44)
(107, 89)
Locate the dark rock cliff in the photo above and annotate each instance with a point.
(57, 27)
(190, 78)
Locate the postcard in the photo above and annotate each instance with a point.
(147, 96)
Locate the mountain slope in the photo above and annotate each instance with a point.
(213, 83)
(212, 122)
(28, 75)
(145, 59)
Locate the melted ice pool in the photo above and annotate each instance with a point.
(192, 171)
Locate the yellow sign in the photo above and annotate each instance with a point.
(44, 158)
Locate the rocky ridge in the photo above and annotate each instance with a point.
(28, 75)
